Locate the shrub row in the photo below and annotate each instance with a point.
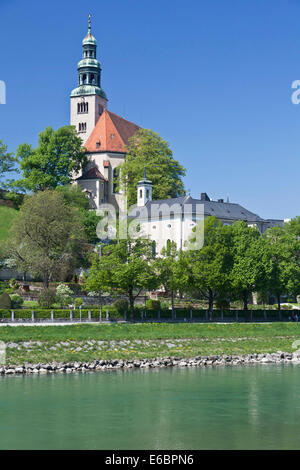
(140, 314)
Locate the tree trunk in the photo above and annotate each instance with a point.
(279, 306)
(131, 304)
(172, 300)
(245, 300)
(210, 304)
(46, 281)
(278, 302)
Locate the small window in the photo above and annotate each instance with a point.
(172, 215)
(141, 193)
(160, 215)
(147, 193)
(98, 144)
(115, 180)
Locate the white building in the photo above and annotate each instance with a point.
(174, 219)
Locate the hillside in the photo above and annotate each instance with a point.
(7, 216)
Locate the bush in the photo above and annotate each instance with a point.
(153, 304)
(121, 305)
(78, 302)
(5, 300)
(47, 298)
(16, 301)
(63, 295)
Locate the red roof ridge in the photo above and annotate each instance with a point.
(112, 132)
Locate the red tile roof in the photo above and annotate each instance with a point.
(110, 134)
(92, 174)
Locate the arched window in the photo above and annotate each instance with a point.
(115, 180)
(141, 193)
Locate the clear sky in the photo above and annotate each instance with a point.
(212, 77)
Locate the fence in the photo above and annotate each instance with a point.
(142, 315)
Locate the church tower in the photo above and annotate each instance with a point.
(88, 100)
(144, 191)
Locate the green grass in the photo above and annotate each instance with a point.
(186, 340)
(7, 216)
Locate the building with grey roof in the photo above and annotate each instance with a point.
(174, 219)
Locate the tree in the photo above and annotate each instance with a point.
(251, 262)
(7, 160)
(169, 268)
(210, 267)
(293, 227)
(74, 196)
(146, 149)
(284, 253)
(54, 162)
(48, 237)
(126, 268)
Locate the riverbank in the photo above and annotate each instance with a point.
(166, 362)
(83, 343)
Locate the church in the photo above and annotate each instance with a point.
(105, 136)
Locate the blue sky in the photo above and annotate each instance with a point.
(212, 77)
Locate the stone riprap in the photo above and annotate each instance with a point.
(117, 364)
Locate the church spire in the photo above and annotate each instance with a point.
(90, 23)
(88, 100)
(89, 68)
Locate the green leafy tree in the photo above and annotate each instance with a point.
(74, 196)
(54, 162)
(7, 160)
(293, 227)
(170, 269)
(284, 253)
(210, 267)
(125, 268)
(251, 262)
(47, 237)
(146, 149)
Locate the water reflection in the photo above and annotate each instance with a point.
(255, 407)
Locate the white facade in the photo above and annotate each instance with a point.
(85, 112)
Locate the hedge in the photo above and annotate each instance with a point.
(142, 314)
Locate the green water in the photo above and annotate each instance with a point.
(255, 407)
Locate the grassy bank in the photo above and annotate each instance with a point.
(124, 341)
(7, 217)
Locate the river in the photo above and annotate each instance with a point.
(250, 407)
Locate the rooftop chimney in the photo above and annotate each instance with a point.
(221, 201)
(204, 197)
